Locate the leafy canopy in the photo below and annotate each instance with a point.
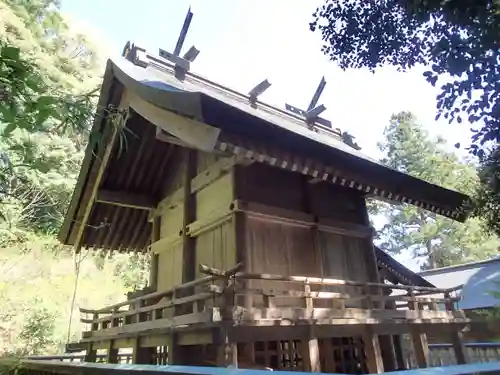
(437, 240)
(458, 40)
(461, 38)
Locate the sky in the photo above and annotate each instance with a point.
(246, 41)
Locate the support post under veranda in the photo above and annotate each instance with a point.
(227, 350)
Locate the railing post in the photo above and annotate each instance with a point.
(461, 354)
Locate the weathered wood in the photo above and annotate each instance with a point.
(108, 144)
(155, 236)
(196, 318)
(420, 347)
(151, 296)
(90, 353)
(461, 353)
(112, 353)
(189, 215)
(220, 273)
(283, 315)
(373, 353)
(331, 282)
(310, 354)
(202, 180)
(141, 355)
(209, 223)
(125, 199)
(195, 133)
(158, 306)
(388, 353)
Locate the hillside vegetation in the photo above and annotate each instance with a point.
(49, 75)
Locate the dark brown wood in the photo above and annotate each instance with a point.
(239, 224)
(310, 353)
(141, 355)
(420, 347)
(458, 346)
(388, 352)
(398, 351)
(156, 236)
(90, 353)
(373, 352)
(188, 243)
(112, 353)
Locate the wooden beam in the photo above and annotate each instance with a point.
(189, 216)
(192, 132)
(458, 346)
(420, 347)
(198, 183)
(373, 353)
(153, 272)
(125, 199)
(102, 163)
(112, 353)
(162, 136)
(310, 354)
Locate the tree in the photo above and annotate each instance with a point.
(48, 80)
(455, 38)
(439, 240)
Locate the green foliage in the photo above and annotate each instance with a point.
(439, 240)
(48, 75)
(460, 39)
(38, 329)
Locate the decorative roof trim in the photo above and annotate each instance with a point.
(325, 173)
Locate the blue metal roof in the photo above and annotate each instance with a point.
(479, 279)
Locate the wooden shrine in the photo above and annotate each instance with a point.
(256, 222)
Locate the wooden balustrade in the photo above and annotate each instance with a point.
(220, 290)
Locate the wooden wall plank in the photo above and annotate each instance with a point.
(217, 195)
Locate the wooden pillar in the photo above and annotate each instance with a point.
(456, 336)
(188, 243)
(398, 351)
(248, 354)
(173, 353)
(388, 352)
(141, 355)
(90, 353)
(153, 271)
(227, 351)
(329, 359)
(310, 355)
(239, 225)
(373, 353)
(112, 353)
(458, 346)
(420, 347)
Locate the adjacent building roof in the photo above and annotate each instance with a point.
(480, 280)
(400, 274)
(255, 130)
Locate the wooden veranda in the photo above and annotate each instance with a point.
(287, 322)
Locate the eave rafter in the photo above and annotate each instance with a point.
(125, 199)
